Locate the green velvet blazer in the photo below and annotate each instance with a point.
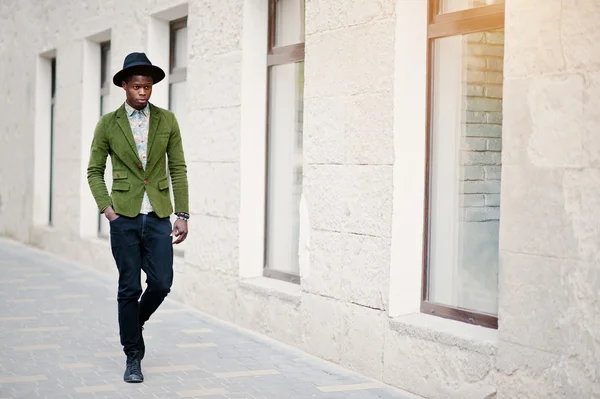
(113, 137)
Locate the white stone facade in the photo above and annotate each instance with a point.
(361, 216)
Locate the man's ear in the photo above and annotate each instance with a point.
(124, 85)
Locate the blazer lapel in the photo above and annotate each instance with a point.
(123, 123)
(155, 117)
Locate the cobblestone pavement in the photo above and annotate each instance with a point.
(59, 339)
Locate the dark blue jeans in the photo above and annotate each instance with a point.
(141, 243)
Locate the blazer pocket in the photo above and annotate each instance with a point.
(163, 184)
(119, 175)
(120, 186)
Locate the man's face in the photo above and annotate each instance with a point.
(138, 91)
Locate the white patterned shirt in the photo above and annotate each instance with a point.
(139, 121)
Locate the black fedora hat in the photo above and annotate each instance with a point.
(138, 62)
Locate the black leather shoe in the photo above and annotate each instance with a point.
(142, 345)
(133, 368)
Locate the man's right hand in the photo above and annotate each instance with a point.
(110, 214)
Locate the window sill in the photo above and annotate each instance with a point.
(282, 290)
(447, 332)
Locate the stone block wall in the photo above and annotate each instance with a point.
(549, 265)
(348, 142)
(212, 146)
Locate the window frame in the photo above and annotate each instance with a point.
(105, 82)
(276, 55)
(485, 18)
(176, 74)
(104, 68)
(53, 87)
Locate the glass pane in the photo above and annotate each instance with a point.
(103, 226)
(180, 48)
(289, 22)
(104, 65)
(53, 86)
(459, 5)
(51, 171)
(177, 104)
(465, 166)
(284, 166)
(52, 121)
(105, 104)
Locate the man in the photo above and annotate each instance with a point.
(140, 137)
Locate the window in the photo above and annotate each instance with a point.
(466, 49)
(52, 118)
(285, 80)
(178, 53)
(43, 159)
(105, 79)
(178, 69)
(105, 82)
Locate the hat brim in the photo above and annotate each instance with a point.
(155, 72)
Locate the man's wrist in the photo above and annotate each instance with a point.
(183, 216)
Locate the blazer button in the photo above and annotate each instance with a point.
(118, 175)
(140, 165)
(145, 181)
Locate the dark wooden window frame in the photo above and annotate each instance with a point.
(444, 25)
(176, 74)
(276, 56)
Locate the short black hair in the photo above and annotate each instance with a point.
(140, 71)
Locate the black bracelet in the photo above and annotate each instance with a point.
(183, 216)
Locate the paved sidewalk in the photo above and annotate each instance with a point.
(59, 339)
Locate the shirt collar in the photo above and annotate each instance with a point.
(129, 110)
